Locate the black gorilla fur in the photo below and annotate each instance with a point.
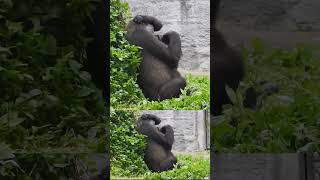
(96, 64)
(97, 49)
(227, 68)
(158, 155)
(158, 76)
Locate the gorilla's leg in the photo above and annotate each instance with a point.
(168, 164)
(172, 88)
(218, 98)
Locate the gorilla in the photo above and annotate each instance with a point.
(158, 155)
(158, 76)
(97, 49)
(96, 64)
(103, 165)
(227, 68)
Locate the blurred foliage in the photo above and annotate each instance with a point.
(48, 103)
(288, 121)
(127, 145)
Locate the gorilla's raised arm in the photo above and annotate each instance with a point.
(169, 52)
(153, 133)
(169, 134)
(151, 117)
(157, 25)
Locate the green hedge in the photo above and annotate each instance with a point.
(127, 145)
(48, 104)
(124, 59)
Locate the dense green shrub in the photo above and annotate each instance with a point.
(47, 102)
(124, 58)
(127, 146)
(287, 121)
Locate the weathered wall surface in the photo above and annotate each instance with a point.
(191, 19)
(189, 127)
(280, 23)
(257, 167)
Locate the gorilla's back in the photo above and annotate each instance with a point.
(155, 153)
(153, 73)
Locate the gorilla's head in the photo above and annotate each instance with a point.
(139, 20)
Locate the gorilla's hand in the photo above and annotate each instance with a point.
(166, 129)
(159, 37)
(168, 36)
(151, 117)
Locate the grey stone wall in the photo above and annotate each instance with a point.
(191, 19)
(280, 23)
(258, 167)
(190, 129)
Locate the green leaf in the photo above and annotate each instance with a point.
(232, 95)
(5, 151)
(85, 91)
(35, 92)
(92, 132)
(75, 66)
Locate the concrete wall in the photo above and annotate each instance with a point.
(280, 23)
(189, 127)
(191, 19)
(257, 167)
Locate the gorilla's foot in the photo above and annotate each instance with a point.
(168, 164)
(191, 91)
(172, 88)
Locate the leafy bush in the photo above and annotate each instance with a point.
(125, 60)
(287, 121)
(47, 102)
(127, 147)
